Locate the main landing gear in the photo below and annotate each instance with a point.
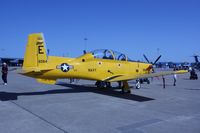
(125, 86)
(102, 84)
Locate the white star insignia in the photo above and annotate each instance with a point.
(65, 67)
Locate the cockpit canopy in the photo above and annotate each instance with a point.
(109, 54)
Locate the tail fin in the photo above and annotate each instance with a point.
(35, 55)
(196, 58)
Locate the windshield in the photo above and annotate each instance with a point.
(109, 54)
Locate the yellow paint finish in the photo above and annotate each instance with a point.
(48, 69)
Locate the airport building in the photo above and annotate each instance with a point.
(12, 61)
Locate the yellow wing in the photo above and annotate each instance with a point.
(132, 77)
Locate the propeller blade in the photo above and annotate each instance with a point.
(146, 58)
(157, 60)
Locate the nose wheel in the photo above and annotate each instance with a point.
(137, 85)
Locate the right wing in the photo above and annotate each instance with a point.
(132, 77)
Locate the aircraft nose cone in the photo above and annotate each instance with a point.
(149, 67)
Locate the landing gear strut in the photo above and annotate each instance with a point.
(125, 87)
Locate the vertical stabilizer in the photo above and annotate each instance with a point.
(196, 59)
(35, 55)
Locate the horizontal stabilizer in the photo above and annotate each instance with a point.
(36, 69)
(46, 81)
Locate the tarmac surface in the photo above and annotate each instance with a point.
(30, 107)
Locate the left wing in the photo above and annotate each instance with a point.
(132, 77)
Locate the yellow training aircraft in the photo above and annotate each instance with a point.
(103, 66)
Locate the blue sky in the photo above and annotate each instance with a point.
(134, 27)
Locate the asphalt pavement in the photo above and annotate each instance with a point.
(27, 106)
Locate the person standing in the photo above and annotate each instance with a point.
(4, 73)
(175, 77)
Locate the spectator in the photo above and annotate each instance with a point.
(4, 73)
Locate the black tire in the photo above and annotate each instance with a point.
(100, 84)
(148, 82)
(141, 81)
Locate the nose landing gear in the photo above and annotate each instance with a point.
(138, 84)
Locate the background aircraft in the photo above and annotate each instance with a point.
(196, 64)
(103, 66)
